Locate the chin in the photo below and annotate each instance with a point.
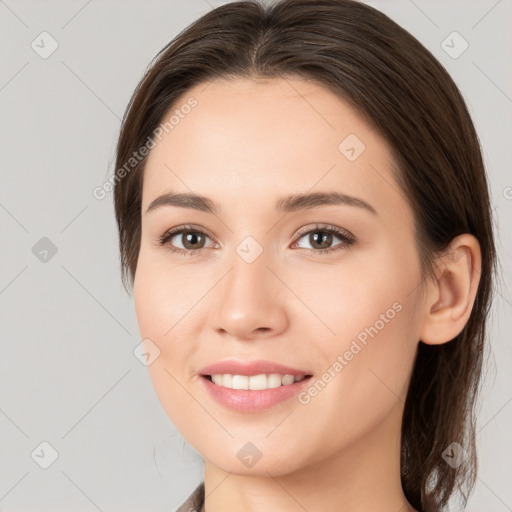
(248, 459)
(275, 466)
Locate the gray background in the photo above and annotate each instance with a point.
(68, 330)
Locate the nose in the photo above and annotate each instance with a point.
(250, 302)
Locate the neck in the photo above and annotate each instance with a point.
(360, 477)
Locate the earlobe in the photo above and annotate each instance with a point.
(452, 294)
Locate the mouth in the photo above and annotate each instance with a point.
(255, 382)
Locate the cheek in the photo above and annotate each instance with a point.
(149, 307)
(375, 320)
(159, 305)
(367, 368)
(365, 290)
(169, 303)
(165, 298)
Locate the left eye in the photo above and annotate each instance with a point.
(321, 237)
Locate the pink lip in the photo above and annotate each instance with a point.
(248, 400)
(250, 368)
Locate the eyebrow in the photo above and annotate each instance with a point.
(286, 204)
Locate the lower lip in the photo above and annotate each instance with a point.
(249, 400)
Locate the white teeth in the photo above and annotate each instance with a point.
(255, 382)
(240, 382)
(216, 378)
(274, 380)
(288, 379)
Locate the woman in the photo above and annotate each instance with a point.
(304, 218)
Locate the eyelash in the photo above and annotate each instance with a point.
(346, 238)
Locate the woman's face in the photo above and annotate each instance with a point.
(266, 283)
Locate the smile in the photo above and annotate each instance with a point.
(254, 382)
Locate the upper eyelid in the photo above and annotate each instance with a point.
(324, 227)
(337, 231)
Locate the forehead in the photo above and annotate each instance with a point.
(247, 138)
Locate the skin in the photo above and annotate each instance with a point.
(247, 143)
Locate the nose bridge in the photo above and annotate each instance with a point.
(249, 276)
(250, 296)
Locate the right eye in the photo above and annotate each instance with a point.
(191, 239)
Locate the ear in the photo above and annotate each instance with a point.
(451, 295)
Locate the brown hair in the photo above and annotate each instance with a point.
(386, 74)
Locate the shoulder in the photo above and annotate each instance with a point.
(195, 501)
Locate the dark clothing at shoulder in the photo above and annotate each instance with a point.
(195, 501)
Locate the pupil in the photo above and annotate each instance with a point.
(325, 239)
(191, 238)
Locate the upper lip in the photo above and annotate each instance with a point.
(250, 368)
